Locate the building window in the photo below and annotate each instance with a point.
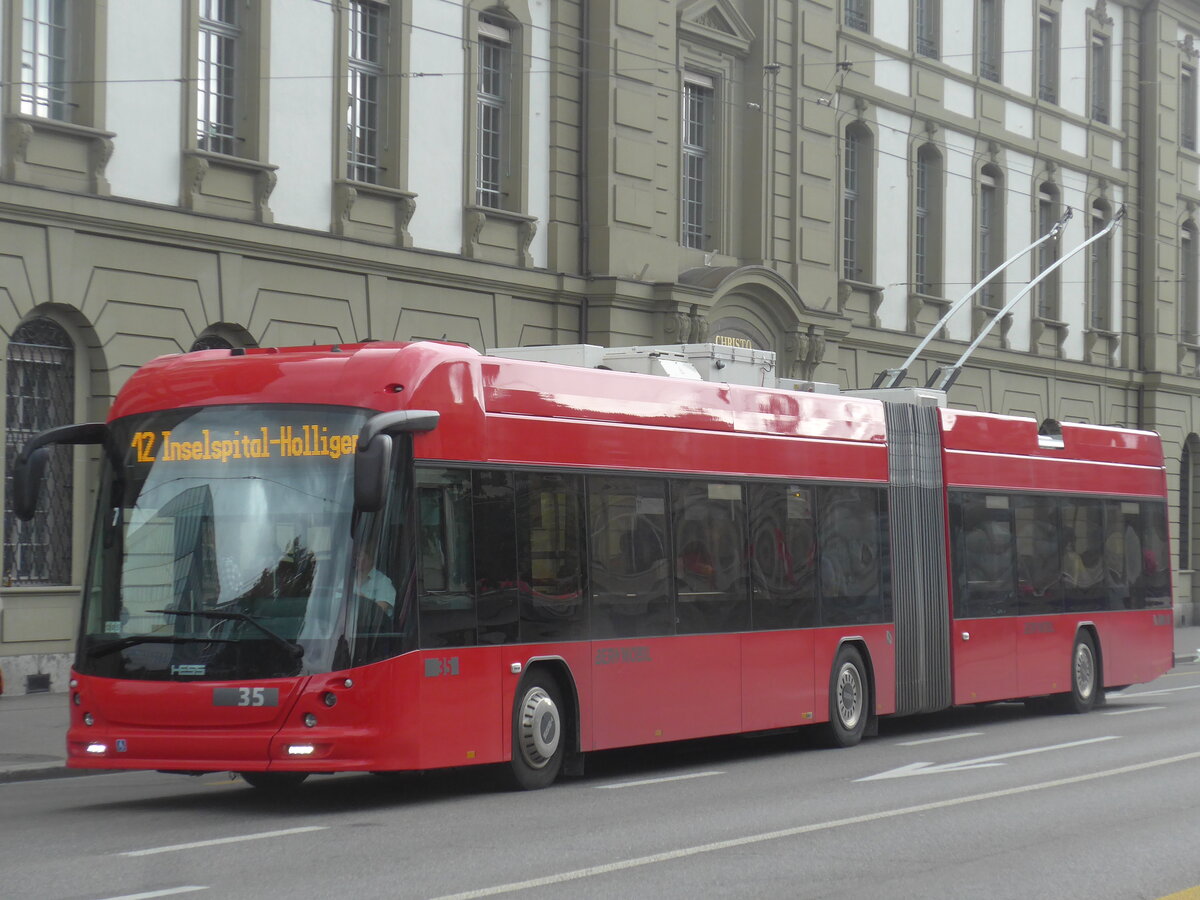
(41, 395)
(989, 40)
(216, 97)
(1189, 288)
(45, 85)
(1189, 504)
(1100, 266)
(698, 95)
(1046, 305)
(492, 102)
(927, 222)
(990, 236)
(1187, 107)
(857, 15)
(925, 22)
(365, 87)
(1047, 56)
(1101, 77)
(857, 168)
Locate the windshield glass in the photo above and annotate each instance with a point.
(222, 543)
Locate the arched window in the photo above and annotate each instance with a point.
(1189, 283)
(1189, 504)
(1048, 291)
(1100, 269)
(990, 234)
(857, 203)
(927, 222)
(41, 394)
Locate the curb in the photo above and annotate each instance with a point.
(44, 772)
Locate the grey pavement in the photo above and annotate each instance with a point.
(33, 727)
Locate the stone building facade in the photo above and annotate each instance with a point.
(819, 178)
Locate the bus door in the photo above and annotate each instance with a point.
(984, 562)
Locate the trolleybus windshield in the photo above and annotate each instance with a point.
(222, 542)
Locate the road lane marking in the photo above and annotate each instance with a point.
(168, 892)
(981, 762)
(751, 839)
(625, 784)
(1129, 712)
(229, 840)
(1182, 687)
(945, 737)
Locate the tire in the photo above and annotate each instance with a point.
(273, 782)
(1085, 677)
(849, 699)
(538, 741)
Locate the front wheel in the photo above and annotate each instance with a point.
(273, 782)
(849, 699)
(538, 747)
(1085, 677)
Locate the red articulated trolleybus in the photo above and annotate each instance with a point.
(383, 557)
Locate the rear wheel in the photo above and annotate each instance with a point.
(849, 699)
(538, 745)
(273, 782)
(1085, 677)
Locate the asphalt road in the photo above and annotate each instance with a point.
(992, 802)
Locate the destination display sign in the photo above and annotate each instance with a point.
(280, 442)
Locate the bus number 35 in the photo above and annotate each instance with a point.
(246, 696)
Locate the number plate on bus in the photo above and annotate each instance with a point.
(246, 696)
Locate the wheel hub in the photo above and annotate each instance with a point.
(539, 728)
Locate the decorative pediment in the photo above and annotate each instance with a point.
(716, 23)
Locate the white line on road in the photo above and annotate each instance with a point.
(625, 784)
(1182, 687)
(980, 762)
(1129, 712)
(684, 852)
(168, 892)
(229, 840)
(945, 737)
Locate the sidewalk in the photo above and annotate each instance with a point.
(33, 727)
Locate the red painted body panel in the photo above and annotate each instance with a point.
(433, 709)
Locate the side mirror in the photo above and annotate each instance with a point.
(371, 467)
(29, 468)
(373, 460)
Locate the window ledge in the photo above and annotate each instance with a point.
(373, 212)
(56, 154)
(227, 185)
(498, 235)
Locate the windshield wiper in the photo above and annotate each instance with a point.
(296, 650)
(121, 643)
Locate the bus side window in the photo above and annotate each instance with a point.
(1039, 557)
(709, 525)
(982, 548)
(446, 575)
(1083, 554)
(550, 557)
(493, 519)
(850, 546)
(630, 572)
(1156, 568)
(783, 556)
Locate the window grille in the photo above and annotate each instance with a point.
(1187, 107)
(1101, 271)
(1191, 284)
(856, 15)
(1047, 291)
(1101, 78)
(851, 171)
(989, 295)
(989, 40)
(697, 123)
(492, 105)
(44, 82)
(921, 226)
(1048, 57)
(365, 85)
(41, 395)
(216, 72)
(926, 28)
